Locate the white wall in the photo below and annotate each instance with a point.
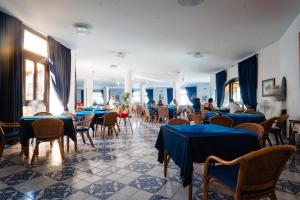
(275, 61)
(203, 91)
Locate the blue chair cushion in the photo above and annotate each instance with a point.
(81, 129)
(226, 174)
(11, 134)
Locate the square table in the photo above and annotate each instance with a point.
(27, 132)
(187, 144)
(238, 118)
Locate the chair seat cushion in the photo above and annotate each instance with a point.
(81, 129)
(226, 174)
(11, 134)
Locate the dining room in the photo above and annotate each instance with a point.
(149, 100)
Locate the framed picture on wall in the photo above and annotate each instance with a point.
(268, 86)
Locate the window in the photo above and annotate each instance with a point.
(232, 91)
(36, 73)
(98, 98)
(184, 100)
(136, 96)
(146, 98)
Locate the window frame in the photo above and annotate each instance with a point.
(230, 83)
(36, 58)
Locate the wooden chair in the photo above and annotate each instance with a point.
(84, 126)
(277, 130)
(174, 121)
(42, 114)
(48, 130)
(8, 132)
(254, 112)
(109, 122)
(267, 126)
(251, 176)
(75, 120)
(198, 119)
(178, 121)
(257, 128)
(221, 120)
(149, 116)
(163, 113)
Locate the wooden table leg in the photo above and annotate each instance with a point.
(191, 191)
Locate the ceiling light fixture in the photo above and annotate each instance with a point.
(189, 3)
(121, 54)
(196, 54)
(82, 28)
(113, 66)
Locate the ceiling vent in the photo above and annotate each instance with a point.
(189, 3)
(82, 28)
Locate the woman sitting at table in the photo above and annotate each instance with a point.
(209, 106)
(174, 103)
(160, 103)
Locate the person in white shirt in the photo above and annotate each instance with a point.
(233, 106)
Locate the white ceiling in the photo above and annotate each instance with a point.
(158, 34)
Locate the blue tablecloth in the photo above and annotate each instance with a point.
(187, 144)
(239, 118)
(27, 131)
(93, 109)
(97, 113)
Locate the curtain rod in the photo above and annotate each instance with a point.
(232, 65)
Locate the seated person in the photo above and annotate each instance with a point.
(174, 103)
(160, 103)
(209, 106)
(233, 106)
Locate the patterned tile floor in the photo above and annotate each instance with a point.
(116, 169)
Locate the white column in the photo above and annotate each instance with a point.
(128, 84)
(142, 93)
(71, 103)
(178, 85)
(88, 92)
(106, 94)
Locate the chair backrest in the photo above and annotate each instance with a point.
(66, 113)
(147, 112)
(221, 120)
(42, 114)
(254, 112)
(110, 119)
(257, 128)
(45, 129)
(178, 121)
(163, 112)
(282, 120)
(198, 119)
(239, 111)
(87, 121)
(268, 124)
(79, 109)
(260, 170)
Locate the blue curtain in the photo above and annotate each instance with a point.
(11, 43)
(248, 81)
(220, 86)
(169, 95)
(191, 92)
(60, 66)
(149, 94)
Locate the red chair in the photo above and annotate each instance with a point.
(125, 115)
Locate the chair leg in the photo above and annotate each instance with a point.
(125, 124)
(277, 139)
(191, 191)
(90, 139)
(115, 131)
(273, 196)
(34, 154)
(68, 143)
(205, 188)
(61, 147)
(2, 146)
(130, 126)
(280, 138)
(75, 142)
(165, 164)
(83, 138)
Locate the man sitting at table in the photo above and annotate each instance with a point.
(233, 106)
(209, 106)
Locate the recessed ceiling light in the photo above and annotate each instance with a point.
(189, 3)
(82, 28)
(196, 54)
(113, 66)
(121, 54)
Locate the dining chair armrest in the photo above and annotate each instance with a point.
(214, 159)
(10, 125)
